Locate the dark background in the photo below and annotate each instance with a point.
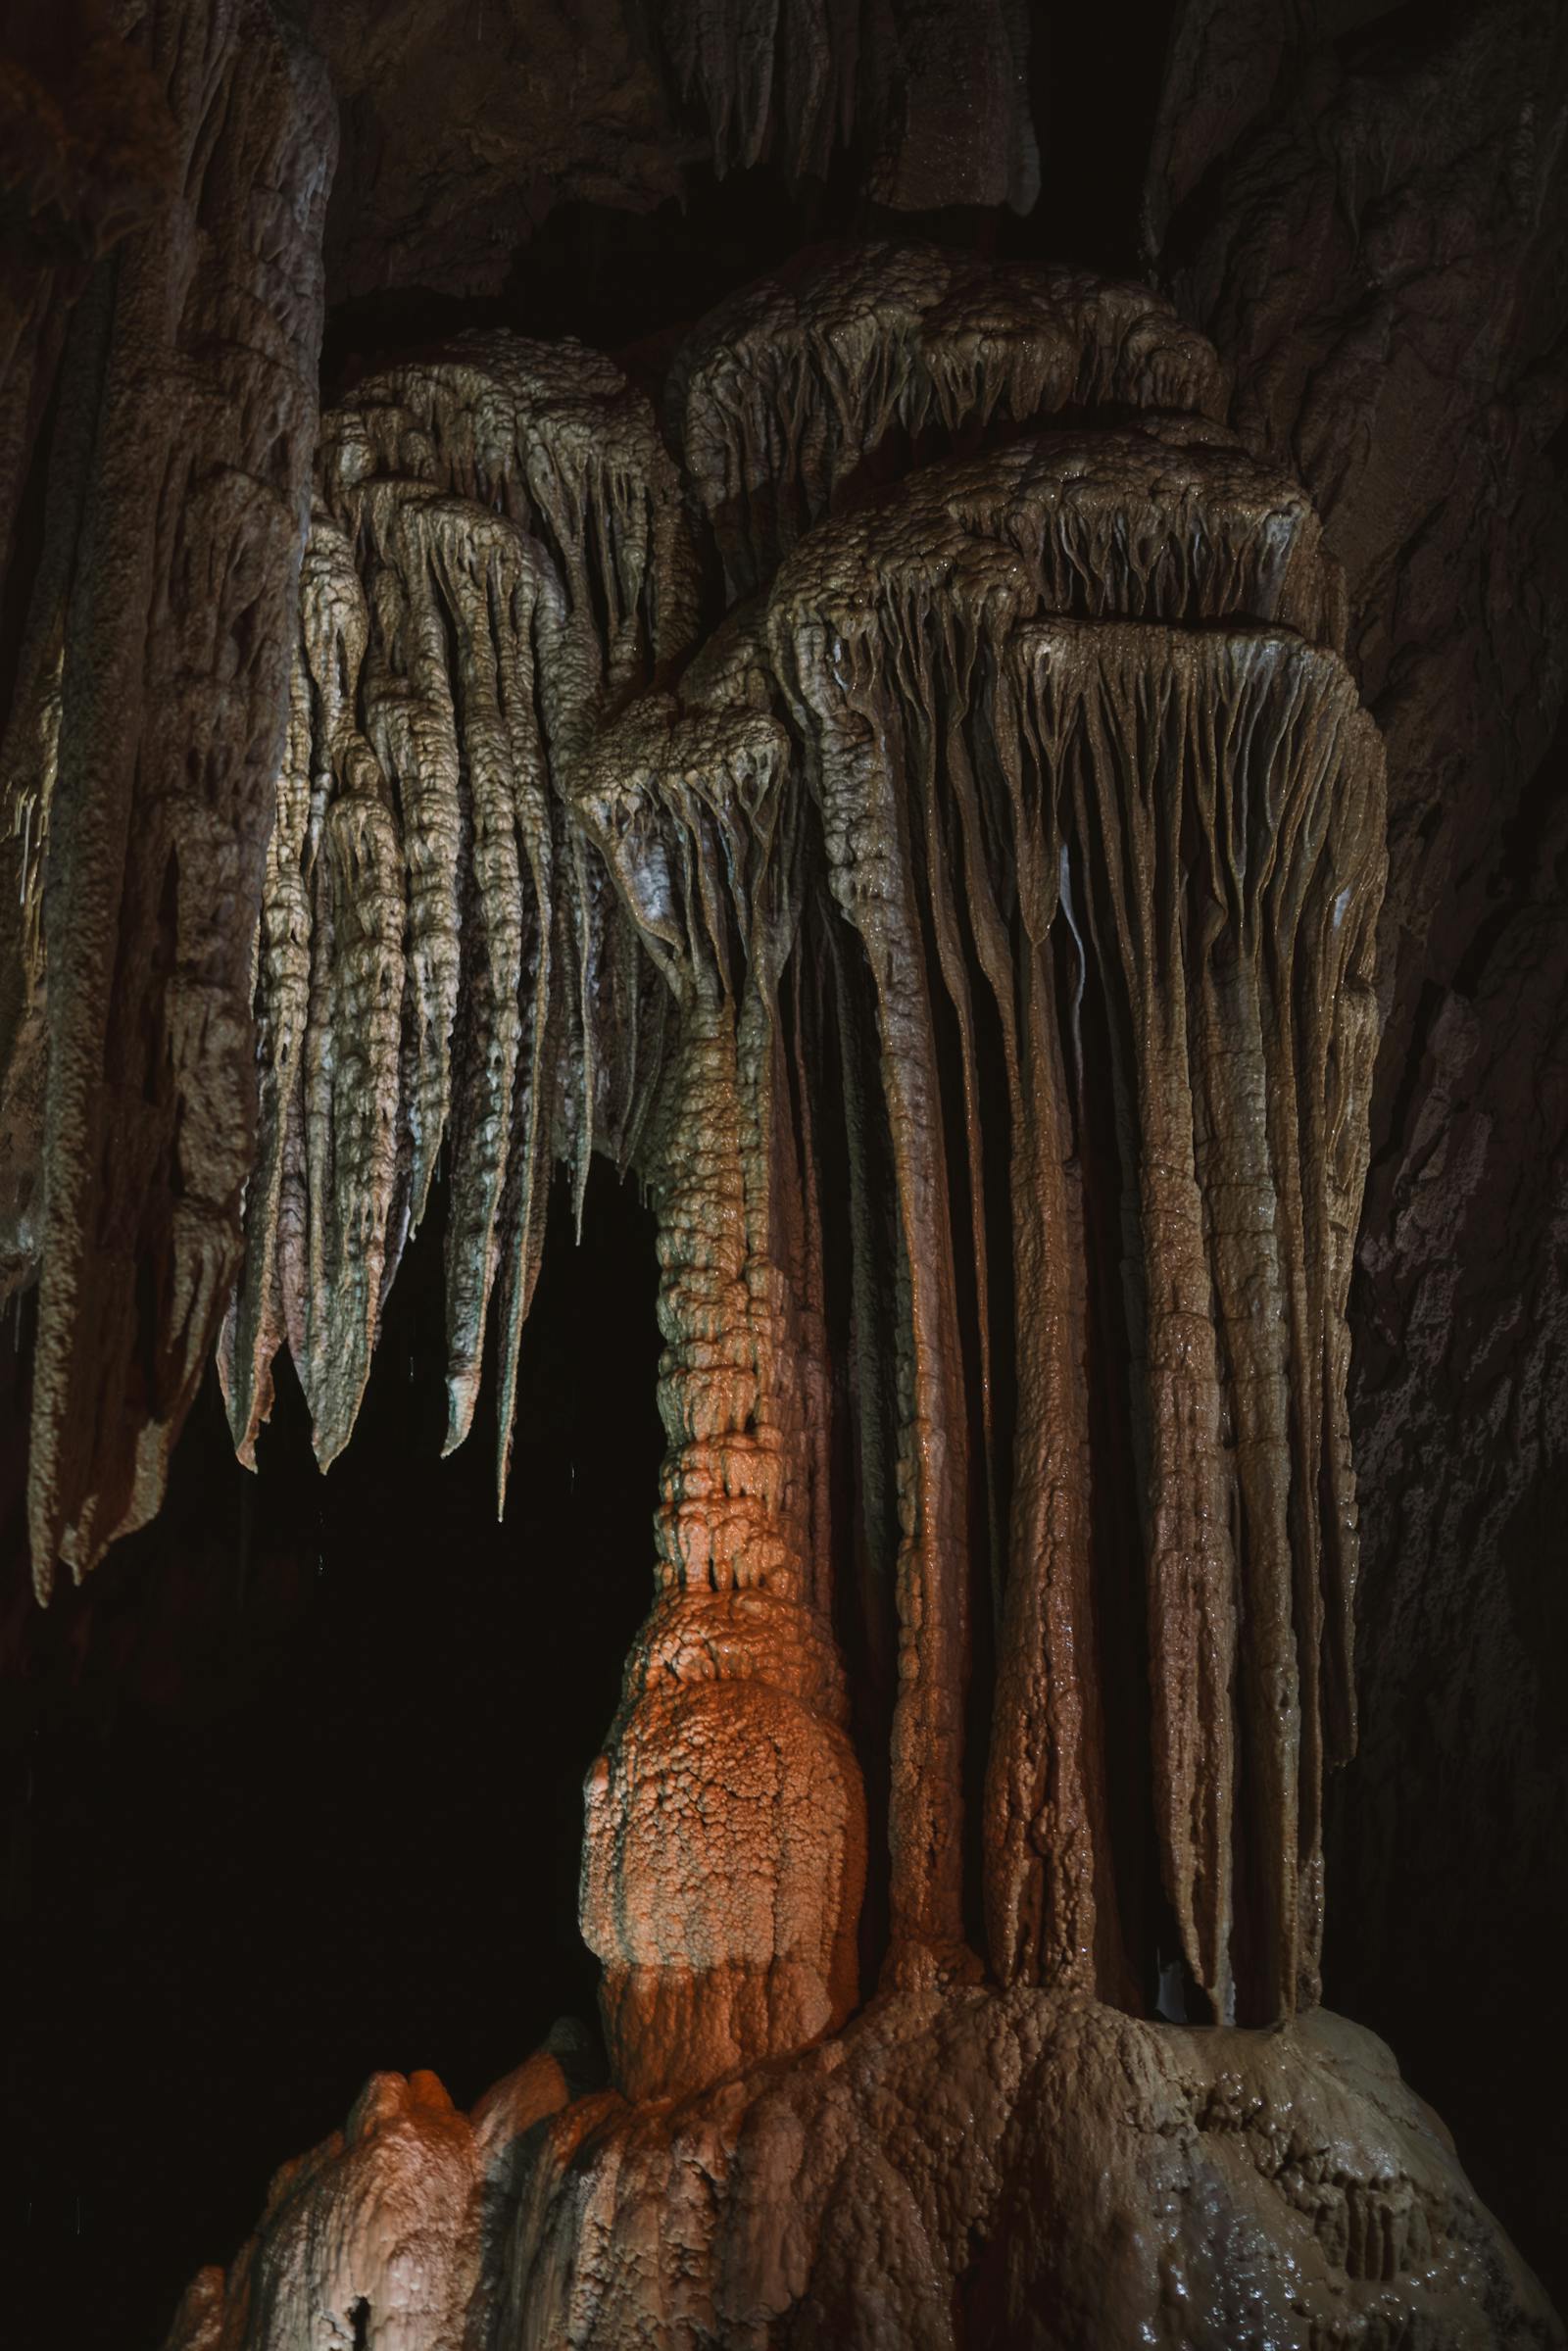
(293, 1785)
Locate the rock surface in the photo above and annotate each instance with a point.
(1001, 2172)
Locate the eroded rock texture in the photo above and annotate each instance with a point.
(975, 951)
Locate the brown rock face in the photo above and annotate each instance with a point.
(464, 130)
(1380, 253)
(169, 579)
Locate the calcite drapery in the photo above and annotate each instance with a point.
(519, 530)
(795, 392)
(1176, 833)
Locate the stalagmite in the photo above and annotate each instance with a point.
(725, 1844)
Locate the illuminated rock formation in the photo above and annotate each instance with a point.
(724, 1853)
(1025, 836)
(1006, 2172)
(905, 804)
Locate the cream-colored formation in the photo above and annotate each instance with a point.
(960, 2169)
(497, 554)
(1039, 772)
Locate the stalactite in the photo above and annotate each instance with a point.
(892, 629)
(790, 396)
(520, 560)
(200, 384)
(936, 91)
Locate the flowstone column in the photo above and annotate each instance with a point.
(724, 1853)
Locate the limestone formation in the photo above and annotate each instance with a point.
(900, 776)
(188, 394)
(1040, 770)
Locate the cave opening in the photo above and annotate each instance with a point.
(308, 1760)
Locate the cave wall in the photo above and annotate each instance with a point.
(1379, 243)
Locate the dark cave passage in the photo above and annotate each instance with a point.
(294, 1789)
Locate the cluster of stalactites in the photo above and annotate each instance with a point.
(443, 974)
(1150, 856)
(795, 392)
(447, 974)
(936, 93)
